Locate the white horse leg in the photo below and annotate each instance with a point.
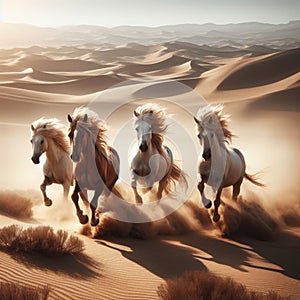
(216, 216)
(47, 181)
(83, 196)
(138, 198)
(236, 189)
(94, 205)
(83, 219)
(66, 187)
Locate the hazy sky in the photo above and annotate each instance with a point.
(148, 13)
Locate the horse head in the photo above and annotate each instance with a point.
(144, 134)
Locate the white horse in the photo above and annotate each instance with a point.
(49, 136)
(98, 164)
(214, 135)
(153, 161)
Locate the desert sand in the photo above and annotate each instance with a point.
(260, 90)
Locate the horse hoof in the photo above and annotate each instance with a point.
(83, 219)
(216, 218)
(95, 222)
(208, 205)
(48, 202)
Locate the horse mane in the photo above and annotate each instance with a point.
(53, 129)
(222, 118)
(95, 125)
(155, 115)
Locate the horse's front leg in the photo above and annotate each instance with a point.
(66, 186)
(47, 181)
(83, 219)
(216, 216)
(94, 205)
(138, 198)
(207, 203)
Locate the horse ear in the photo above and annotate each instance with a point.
(85, 118)
(70, 119)
(32, 128)
(135, 113)
(196, 120)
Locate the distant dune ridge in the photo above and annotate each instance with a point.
(252, 68)
(251, 33)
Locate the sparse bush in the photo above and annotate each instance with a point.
(15, 204)
(13, 291)
(200, 285)
(42, 240)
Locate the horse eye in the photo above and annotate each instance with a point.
(31, 141)
(199, 136)
(42, 142)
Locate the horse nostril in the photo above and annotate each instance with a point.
(143, 147)
(35, 160)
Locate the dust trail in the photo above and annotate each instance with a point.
(255, 214)
(17, 204)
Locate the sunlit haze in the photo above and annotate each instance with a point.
(146, 13)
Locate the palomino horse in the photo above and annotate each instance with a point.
(49, 136)
(98, 164)
(153, 161)
(214, 135)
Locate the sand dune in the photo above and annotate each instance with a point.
(267, 70)
(260, 88)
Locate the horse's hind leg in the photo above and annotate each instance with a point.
(83, 219)
(216, 216)
(47, 181)
(207, 203)
(236, 189)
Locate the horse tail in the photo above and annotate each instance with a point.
(253, 178)
(175, 174)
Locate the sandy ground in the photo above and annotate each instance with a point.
(259, 91)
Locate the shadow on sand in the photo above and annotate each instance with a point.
(77, 266)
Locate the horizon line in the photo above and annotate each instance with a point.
(145, 26)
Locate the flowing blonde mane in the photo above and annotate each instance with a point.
(222, 119)
(155, 115)
(95, 125)
(51, 128)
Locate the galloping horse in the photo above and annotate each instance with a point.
(153, 161)
(49, 136)
(210, 121)
(98, 164)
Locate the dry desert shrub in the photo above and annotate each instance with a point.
(200, 285)
(13, 291)
(43, 240)
(15, 204)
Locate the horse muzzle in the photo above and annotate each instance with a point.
(35, 159)
(143, 147)
(206, 154)
(75, 157)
